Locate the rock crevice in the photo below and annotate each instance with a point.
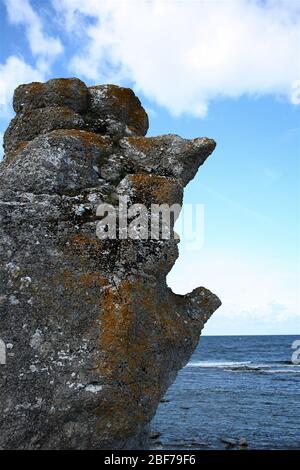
(95, 334)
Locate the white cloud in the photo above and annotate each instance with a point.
(45, 47)
(12, 73)
(250, 289)
(185, 54)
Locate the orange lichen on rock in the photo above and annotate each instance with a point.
(155, 189)
(127, 311)
(125, 98)
(143, 144)
(89, 138)
(11, 155)
(73, 280)
(119, 104)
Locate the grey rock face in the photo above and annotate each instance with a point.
(93, 334)
(30, 123)
(116, 111)
(62, 92)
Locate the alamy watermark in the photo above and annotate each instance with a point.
(2, 353)
(296, 354)
(139, 222)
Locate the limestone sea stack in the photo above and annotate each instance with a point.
(93, 335)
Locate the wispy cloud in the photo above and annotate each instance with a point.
(42, 46)
(12, 73)
(44, 49)
(184, 54)
(181, 55)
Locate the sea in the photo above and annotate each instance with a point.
(236, 392)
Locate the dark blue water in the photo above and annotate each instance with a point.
(233, 387)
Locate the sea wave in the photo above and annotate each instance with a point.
(221, 365)
(248, 366)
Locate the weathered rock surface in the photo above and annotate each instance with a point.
(94, 335)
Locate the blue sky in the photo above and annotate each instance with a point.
(229, 70)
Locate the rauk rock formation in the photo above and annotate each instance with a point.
(94, 337)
